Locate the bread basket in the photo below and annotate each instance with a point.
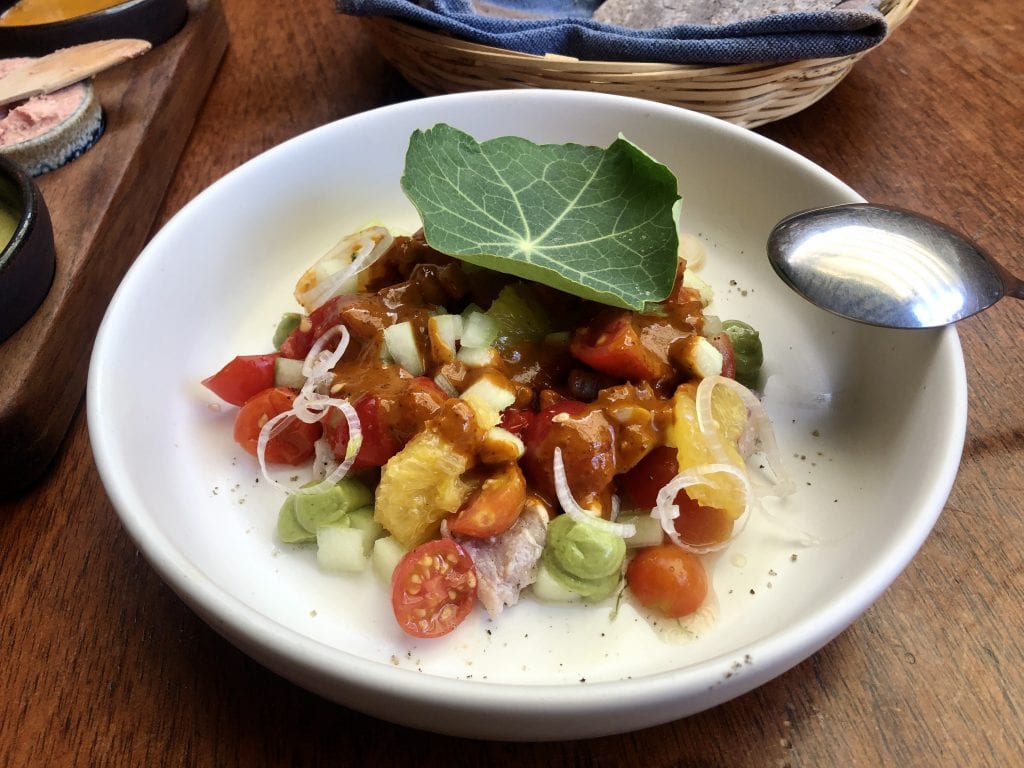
(745, 94)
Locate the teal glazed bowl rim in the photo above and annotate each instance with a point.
(28, 261)
(153, 20)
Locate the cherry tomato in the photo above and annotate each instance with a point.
(494, 506)
(642, 483)
(242, 378)
(697, 525)
(668, 579)
(612, 344)
(292, 445)
(433, 588)
(387, 421)
(378, 444)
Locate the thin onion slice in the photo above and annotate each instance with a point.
(764, 435)
(318, 364)
(666, 510)
(370, 244)
(311, 405)
(578, 514)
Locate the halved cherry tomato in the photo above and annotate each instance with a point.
(242, 378)
(668, 579)
(611, 343)
(292, 445)
(494, 506)
(697, 525)
(433, 588)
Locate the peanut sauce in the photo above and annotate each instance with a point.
(603, 425)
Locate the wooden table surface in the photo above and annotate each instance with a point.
(103, 665)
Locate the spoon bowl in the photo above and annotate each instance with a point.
(885, 266)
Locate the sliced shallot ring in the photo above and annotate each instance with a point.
(269, 430)
(578, 514)
(764, 435)
(355, 441)
(311, 406)
(666, 510)
(369, 250)
(316, 368)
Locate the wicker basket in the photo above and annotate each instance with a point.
(745, 94)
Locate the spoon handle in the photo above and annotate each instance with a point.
(1016, 289)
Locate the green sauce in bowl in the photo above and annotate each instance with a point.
(9, 221)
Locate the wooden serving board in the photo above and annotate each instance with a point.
(103, 206)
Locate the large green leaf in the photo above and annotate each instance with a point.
(597, 223)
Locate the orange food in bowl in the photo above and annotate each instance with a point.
(28, 12)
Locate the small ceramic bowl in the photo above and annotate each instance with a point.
(27, 256)
(152, 20)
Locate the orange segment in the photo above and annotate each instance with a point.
(694, 448)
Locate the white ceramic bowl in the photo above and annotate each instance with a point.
(872, 422)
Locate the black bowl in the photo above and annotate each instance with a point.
(152, 20)
(28, 261)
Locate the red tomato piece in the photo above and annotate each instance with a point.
(433, 588)
(242, 378)
(300, 341)
(516, 421)
(642, 483)
(386, 420)
(494, 506)
(612, 344)
(378, 444)
(292, 445)
(668, 579)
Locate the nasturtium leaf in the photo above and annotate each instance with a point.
(597, 223)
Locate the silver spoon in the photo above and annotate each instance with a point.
(886, 266)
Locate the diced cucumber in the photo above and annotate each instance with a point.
(404, 347)
(479, 330)
(551, 590)
(340, 548)
(289, 322)
(445, 331)
(703, 359)
(501, 446)
(488, 399)
(362, 521)
(648, 530)
(477, 357)
(386, 554)
(288, 373)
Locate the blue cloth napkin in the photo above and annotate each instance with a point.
(565, 27)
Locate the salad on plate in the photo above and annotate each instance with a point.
(528, 396)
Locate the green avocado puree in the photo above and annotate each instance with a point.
(8, 225)
(583, 557)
